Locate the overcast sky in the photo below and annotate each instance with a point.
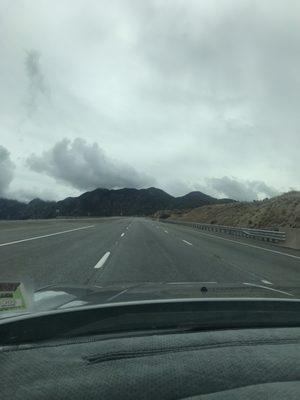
(182, 95)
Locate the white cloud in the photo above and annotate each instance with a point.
(182, 91)
(6, 170)
(85, 166)
(37, 86)
(240, 190)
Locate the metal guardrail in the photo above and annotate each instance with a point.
(261, 234)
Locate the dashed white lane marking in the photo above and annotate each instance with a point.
(268, 288)
(266, 282)
(250, 245)
(185, 241)
(166, 232)
(122, 234)
(44, 236)
(102, 260)
(127, 227)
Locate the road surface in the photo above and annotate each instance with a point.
(119, 250)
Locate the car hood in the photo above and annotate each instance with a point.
(61, 297)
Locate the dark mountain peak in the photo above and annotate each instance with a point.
(157, 192)
(197, 195)
(194, 199)
(37, 201)
(125, 190)
(97, 191)
(153, 189)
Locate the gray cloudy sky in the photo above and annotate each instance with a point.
(181, 94)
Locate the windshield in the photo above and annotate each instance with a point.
(149, 150)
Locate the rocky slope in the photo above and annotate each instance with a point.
(281, 211)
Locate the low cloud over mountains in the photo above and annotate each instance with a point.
(182, 95)
(240, 190)
(86, 166)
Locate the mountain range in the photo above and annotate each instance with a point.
(106, 203)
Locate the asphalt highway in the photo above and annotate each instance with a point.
(118, 250)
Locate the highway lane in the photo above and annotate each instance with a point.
(118, 250)
(21, 230)
(66, 258)
(256, 259)
(161, 256)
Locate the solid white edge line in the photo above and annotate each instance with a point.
(180, 283)
(185, 241)
(266, 282)
(44, 236)
(102, 260)
(249, 245)
(268, 288)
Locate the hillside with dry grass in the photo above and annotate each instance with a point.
(281, 211)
